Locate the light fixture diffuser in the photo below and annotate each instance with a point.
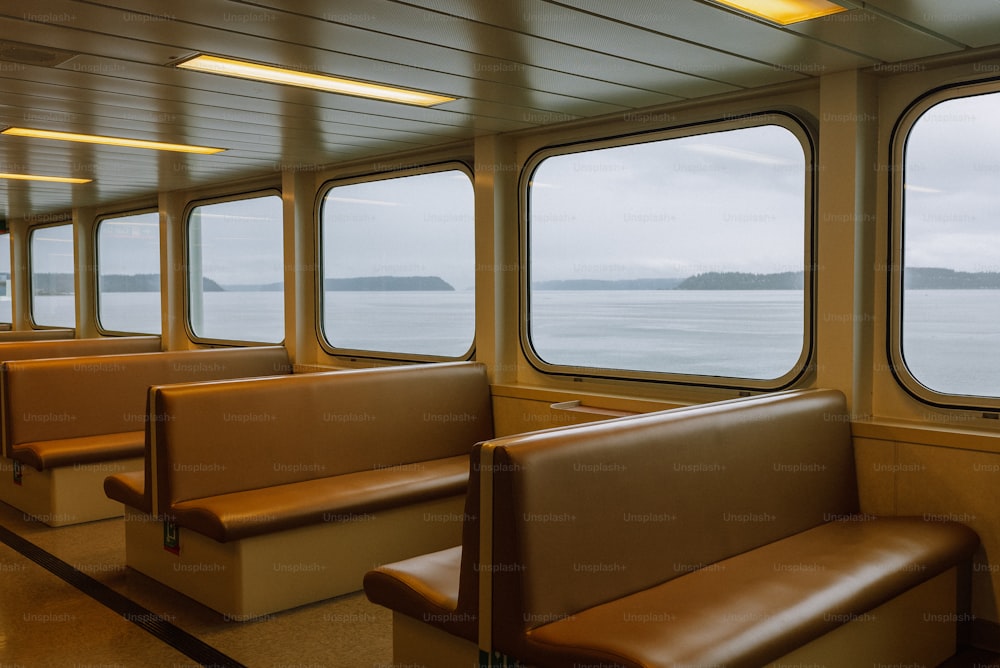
(267, 73)
(110, 141)
(49, 179)
(785, 12)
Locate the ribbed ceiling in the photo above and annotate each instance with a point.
(104, 68)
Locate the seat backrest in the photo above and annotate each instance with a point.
(589, 514)
(50, 399)
(36, 334)
(217, 438)
(47, 349)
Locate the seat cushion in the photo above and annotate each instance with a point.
(254, 512)
(755, 607)
(130, 489)
(424, 588)
(81, 450)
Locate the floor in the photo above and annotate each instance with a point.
(123, 619)
(46, 621)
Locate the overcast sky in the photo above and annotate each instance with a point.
(952, 195)
(242, 241)
(412, 226)
(726, 201)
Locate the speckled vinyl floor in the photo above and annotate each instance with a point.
(44, 621)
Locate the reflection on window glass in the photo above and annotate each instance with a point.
(236, 270)
(128, 273)
(6, 310)
(53, 302)
(399, 265)
(682, 256)
(950, 331)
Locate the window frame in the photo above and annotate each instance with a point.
(802, 130)
(186, 258)
(97, 272)
(370, 177)
(32, 322)
(898, 139)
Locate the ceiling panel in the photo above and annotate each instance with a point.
(881, 38)
(728, 32)
(514, 65)
(287, 38)
(490, 51)
(198, 38)
(973, 23)
(56, 111)
(592, 33)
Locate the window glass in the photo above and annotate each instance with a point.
(128, 273)
(950, 295)
(399, 265)
(53, 294)
(6, 310)
(236, 270)
(681, 256)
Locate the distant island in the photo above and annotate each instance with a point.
(358, 284)
(596, 284)
(914, 278)
(62, 284)
(713, 280)
(735, 280)
(934, 278)
(141, 283)
(387, 284)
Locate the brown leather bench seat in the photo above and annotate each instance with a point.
(759, 606)
(439, 589)
(244, 467)
(81, 416)
(46, 349)
(58, 409)
(725, 534)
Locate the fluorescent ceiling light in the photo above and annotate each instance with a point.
(785, 12)
(267, 73)
(111, 141)
(51, 179)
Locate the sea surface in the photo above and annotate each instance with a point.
(741, 333)
(951, 338)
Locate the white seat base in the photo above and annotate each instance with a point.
(252, 577)
(65, 494)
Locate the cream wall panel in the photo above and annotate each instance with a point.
(875, 462)
(959, 485)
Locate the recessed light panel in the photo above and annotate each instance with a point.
(246, 70)
(785, 12)
(109, 141)
(49, 179)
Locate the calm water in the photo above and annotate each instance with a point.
(747, 334)
(425, 323)
(951, 340)
(951, 337)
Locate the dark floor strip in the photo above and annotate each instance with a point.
(148, 620)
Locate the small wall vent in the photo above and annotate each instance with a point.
(31, 54)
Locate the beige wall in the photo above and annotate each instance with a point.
(939, 474)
